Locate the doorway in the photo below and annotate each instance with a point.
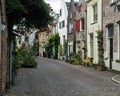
(110, 36)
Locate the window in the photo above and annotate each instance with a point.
(60, 25)
(91, 45)
(95, 13)
(70, 27)
(63, 24)
(110, 31)
(71, 15)
(82, 24)
(60, 12)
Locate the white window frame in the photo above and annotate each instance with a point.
(70, 27)
(95, 12)
(70, 14)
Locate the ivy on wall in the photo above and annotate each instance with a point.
(52, 45)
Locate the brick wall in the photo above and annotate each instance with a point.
(4, 58)
(110, 16)
(71, 19)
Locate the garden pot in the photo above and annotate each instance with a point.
(99, 68)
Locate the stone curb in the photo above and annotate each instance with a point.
(115, 80)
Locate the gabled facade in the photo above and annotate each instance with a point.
(94, 23)
(3, 48)
(71, 27)
(81, 25)
(111, 29)
(42, 38)
(62, 23)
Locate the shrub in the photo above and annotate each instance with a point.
(29, 62)
(77, 59)
(23, 57)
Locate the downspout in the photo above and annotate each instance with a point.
(102, 15)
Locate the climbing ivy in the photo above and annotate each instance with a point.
(52, 44)
(100, 47)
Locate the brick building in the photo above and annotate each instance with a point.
(81, 26)
(111, 28)
(3, 47)
(71, 26)
(42, 39)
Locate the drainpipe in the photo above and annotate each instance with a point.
(102, 15)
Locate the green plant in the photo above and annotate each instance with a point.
(23, 56)
(77, 59)
(52, 44)
(100, 49)
(60, 50)
(35, 47)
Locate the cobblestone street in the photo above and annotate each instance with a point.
(57, 78)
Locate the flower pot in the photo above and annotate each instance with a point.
(99, 68)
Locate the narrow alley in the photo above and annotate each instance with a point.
(58, 78)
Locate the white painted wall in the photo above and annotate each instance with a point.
(63, 31)
(93, 27)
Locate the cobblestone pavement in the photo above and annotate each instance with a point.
(57, 78)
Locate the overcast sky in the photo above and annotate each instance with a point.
(55, 4)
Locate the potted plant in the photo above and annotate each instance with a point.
(101, 64)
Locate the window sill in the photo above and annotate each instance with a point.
(118, 60)
(106, 58)
(94, 22)
(70, 32)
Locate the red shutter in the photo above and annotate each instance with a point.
(79, 8)
(77, 25)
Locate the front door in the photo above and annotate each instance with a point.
(111, 52)
(110, 36)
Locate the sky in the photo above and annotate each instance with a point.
(55, 4)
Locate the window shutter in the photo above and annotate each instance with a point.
(77, 25)
(79, 8)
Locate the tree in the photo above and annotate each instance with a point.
(27, 14)
(36, 13)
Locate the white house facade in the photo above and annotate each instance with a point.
(94, 23)
(62, 22)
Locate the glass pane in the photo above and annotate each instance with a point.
(110, 31)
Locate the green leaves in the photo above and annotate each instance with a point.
(14, 5)
(36, 13)
(53, 42)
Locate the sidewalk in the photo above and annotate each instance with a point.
(116, 79)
